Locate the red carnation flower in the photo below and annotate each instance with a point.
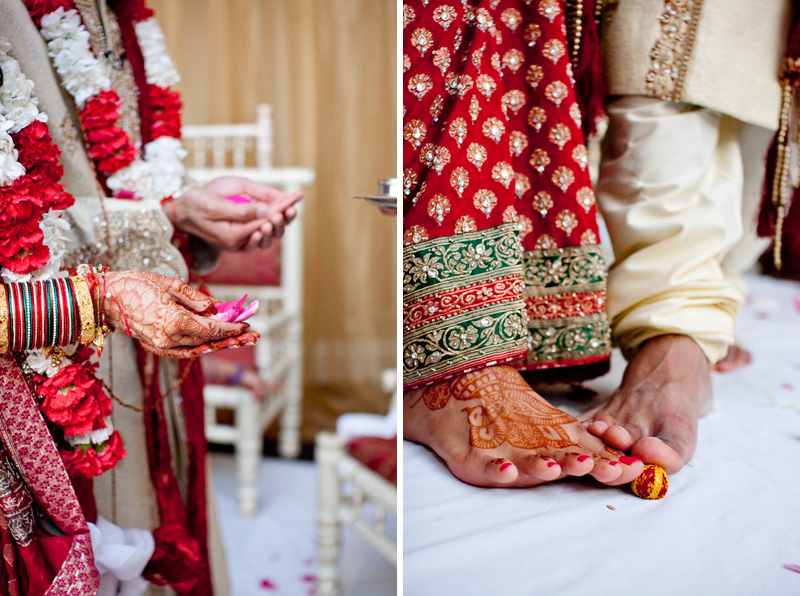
(102, 110)
(87, 462)
(166, 112)
(81, 462)
(28, 260)
(111, 452)
(38, 153)
(75, 401)
(118, 161)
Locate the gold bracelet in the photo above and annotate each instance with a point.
(4, 319)
(85, 308)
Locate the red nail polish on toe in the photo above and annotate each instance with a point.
(550, 464)
(613, 463)
(582, 458)
(504, 466)
(629, 461)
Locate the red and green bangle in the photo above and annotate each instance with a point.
(34, 315)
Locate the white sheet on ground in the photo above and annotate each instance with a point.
(727, 526)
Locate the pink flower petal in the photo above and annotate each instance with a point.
(235, 305)
(309, 578)
(127, 194)
(238, 199)
(268, 585)
(791, 567)
(228, 311)
(248, 312)
(787, 386)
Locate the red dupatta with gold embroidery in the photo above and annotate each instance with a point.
(45, 538)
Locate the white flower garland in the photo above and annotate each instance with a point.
(82, 75)
(158, 66)
(159, 172)
(18, 108)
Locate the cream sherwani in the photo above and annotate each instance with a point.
(694, 102)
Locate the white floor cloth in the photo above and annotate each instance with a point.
(727, 526)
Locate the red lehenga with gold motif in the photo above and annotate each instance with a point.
(501, 258)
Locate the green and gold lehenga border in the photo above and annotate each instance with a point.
(463, 342)
(491, 331)
(572, 340)
(566, 338)
(450, 262)
(561, 270)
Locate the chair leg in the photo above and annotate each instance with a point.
(329, 451)
(289, 439)
(248, 453)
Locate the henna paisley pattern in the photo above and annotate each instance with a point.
(510, 410)
(165, 315)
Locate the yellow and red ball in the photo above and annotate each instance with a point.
(651, 483)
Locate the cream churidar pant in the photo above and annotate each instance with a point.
(679, 189)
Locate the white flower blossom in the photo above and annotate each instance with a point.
(42, 364)
(10, 277)
(96, 436)
(10, 168)
(17, 104)
(159, 68)
(56, 237)
(16, 96)
(82, 75)
(160, 174)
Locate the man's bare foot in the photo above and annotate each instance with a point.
(735, 359)
(492, 429)
(665, 390)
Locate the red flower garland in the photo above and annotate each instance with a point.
(166, 109)
(108, 145)
(27, 199)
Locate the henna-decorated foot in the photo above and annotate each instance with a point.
(735, 359)
(492, 429)
(666, 388)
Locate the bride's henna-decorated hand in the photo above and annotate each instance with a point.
(163, 313)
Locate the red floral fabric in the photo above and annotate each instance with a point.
(492, 130)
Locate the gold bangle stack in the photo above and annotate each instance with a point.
(4, 319)
(85, 307)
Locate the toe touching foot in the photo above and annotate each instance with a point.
(736, 358)
(653, 415)
(492, 429)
